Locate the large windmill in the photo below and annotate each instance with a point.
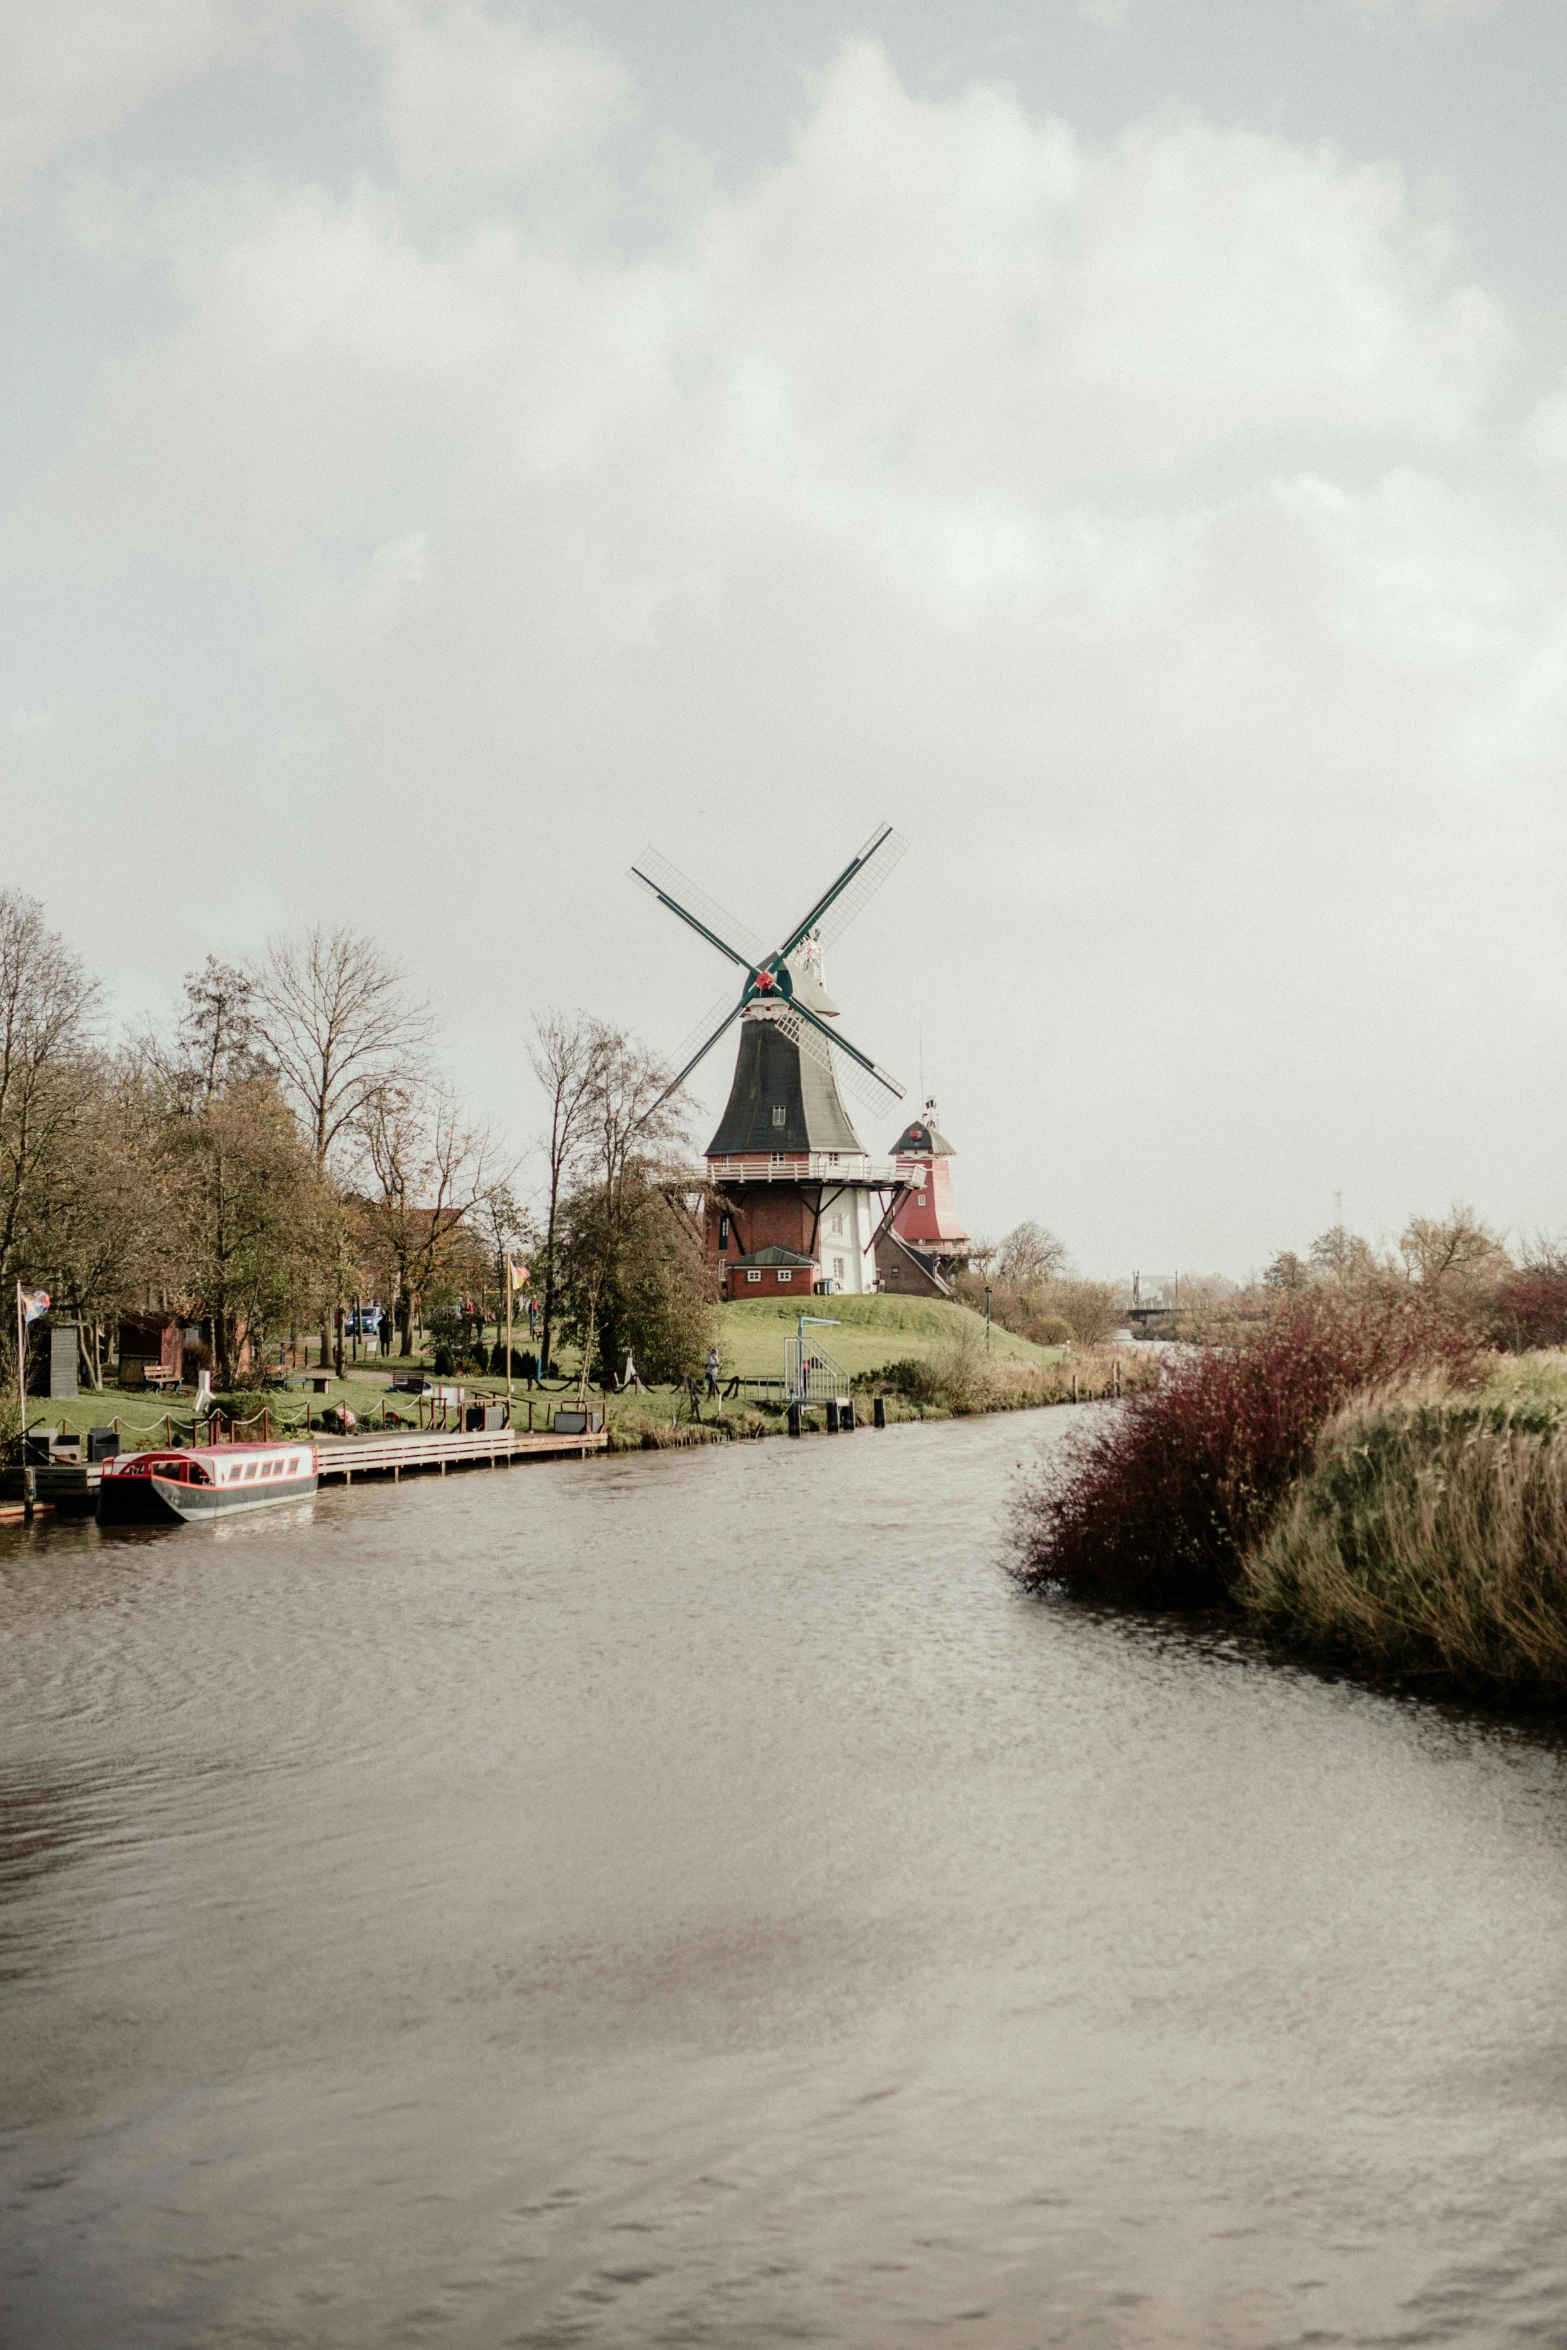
(795, 1202)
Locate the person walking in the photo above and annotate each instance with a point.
(714, 1366)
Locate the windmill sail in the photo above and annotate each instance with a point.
(891, 853)
(875, 1092)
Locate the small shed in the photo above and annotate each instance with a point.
(52, 1357)
(151, 1342)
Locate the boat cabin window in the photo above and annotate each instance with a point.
(250, 1468)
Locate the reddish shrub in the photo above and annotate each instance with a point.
(1531, 1309)
(1161, 1499)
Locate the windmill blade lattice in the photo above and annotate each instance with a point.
(703, 1027)
(873, 1092)
(862, 889)
(651, 867)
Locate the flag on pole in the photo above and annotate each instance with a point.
(520, 1276)
(31, 1304)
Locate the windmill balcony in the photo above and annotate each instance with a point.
(806, 1167)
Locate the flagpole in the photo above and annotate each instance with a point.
(508, 1341)
(21, 1374)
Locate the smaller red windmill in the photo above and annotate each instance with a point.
(926, 1242)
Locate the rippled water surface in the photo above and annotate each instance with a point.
(695, 1899)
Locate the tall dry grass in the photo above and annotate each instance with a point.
(964, 1378)
(1428, 1539)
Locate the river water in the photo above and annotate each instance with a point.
(695, 1899)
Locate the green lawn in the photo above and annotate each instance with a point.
(871, 1332)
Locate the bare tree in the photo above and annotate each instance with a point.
(331, 1012)
(255, 1218)
(565, 1056)
(430, 1176)
(632, 1269)
(1455, 1251)
(1343, 1257)
(100, 1229)
(218, 1044)
(1029, 1256)
(47, 1007)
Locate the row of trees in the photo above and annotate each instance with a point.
(288, 1145)
(1033, 1292)
(1513, 1300)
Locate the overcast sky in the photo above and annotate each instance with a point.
(1123, 444)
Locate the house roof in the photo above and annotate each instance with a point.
(789, 1257)
(772, 1073)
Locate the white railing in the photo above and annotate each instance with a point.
(808, 1167)
(811, 1373)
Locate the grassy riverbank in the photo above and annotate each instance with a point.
(1428, 1541)
(928, 1358)
(1364, 1489)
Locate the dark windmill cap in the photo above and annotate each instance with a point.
(921, 1141)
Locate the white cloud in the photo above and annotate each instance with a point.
(1545, 433)
(72, 68)
(1114, 516)
(468, 90)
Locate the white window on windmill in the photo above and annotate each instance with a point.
(780, 1114)
(835, 1222)
(922, 1199)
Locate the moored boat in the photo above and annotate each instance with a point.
(205, 1481)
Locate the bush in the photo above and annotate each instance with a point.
(443, 1362)
(1531, 1309)
(1158, 1504)
(1429, 1538)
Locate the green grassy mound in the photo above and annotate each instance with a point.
(872, 1331)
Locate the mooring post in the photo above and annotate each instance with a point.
(1074, 1387)
(832, 1415)
(794, 1419)
(29, 1487)
(846, 1415)
(879, 1412)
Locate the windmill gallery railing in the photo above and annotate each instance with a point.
(808, 1167)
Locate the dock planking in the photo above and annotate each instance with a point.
(343, 1458)
(73, 1485)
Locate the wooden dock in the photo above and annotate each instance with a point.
(73, 1485)
(343, 1458)
(65, 1485)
